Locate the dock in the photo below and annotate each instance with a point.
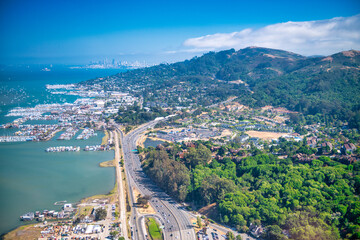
(63, 149)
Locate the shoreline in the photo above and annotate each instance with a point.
(110, 194)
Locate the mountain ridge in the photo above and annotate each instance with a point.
(324, 84)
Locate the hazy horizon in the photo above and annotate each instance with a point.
(66, 32)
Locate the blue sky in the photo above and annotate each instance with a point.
(74, 32)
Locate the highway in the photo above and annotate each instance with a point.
(176, 224)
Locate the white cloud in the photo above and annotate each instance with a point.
(308, 38)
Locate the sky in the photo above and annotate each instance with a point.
(80, 31)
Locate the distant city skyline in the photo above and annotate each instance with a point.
(113, 63)
(77, 32)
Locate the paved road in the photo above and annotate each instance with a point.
(176, 223)
(121, 194)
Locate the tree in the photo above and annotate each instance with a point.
(238, 237)
(274, 232)
(200, 155)
(113, 234)
(222, 151)
(128, 129)
(230, 235)
(170, 175)
(199, 223)
(100, 214)
(143, 201)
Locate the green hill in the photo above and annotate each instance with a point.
(327, 85)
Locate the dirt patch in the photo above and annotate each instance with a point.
(140, 141)
(272, 56)
(265, 135)
(195, 225)
(224, 133)
(280, 119)
(327, 59)
(350, 53)
(142, 210)
(210, 211)
(24, 232)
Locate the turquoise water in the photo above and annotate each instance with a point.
(30, 178)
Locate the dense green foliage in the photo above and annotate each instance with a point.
(100, 214)
(311, 201)
(334, 93)
(134, 115)
(168, 174)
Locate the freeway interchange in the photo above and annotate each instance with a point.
(172, 217)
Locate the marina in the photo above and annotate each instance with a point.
(31, 178)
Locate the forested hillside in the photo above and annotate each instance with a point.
(328, 85)
(309, 201)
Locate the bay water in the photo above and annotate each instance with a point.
(30, 178)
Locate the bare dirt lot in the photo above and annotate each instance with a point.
(265, 135)
(142, 210)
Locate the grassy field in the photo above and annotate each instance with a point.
(28, 232)
(153, 229)
(85, 211)
(109, 163)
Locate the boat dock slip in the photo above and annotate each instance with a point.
(86, 133)
(63, 149)
(16, 138)
(68, 134)
(97, 148)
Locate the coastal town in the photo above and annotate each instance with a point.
(86, 113)
(180, 161)
(234, 130)
(180, 120)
